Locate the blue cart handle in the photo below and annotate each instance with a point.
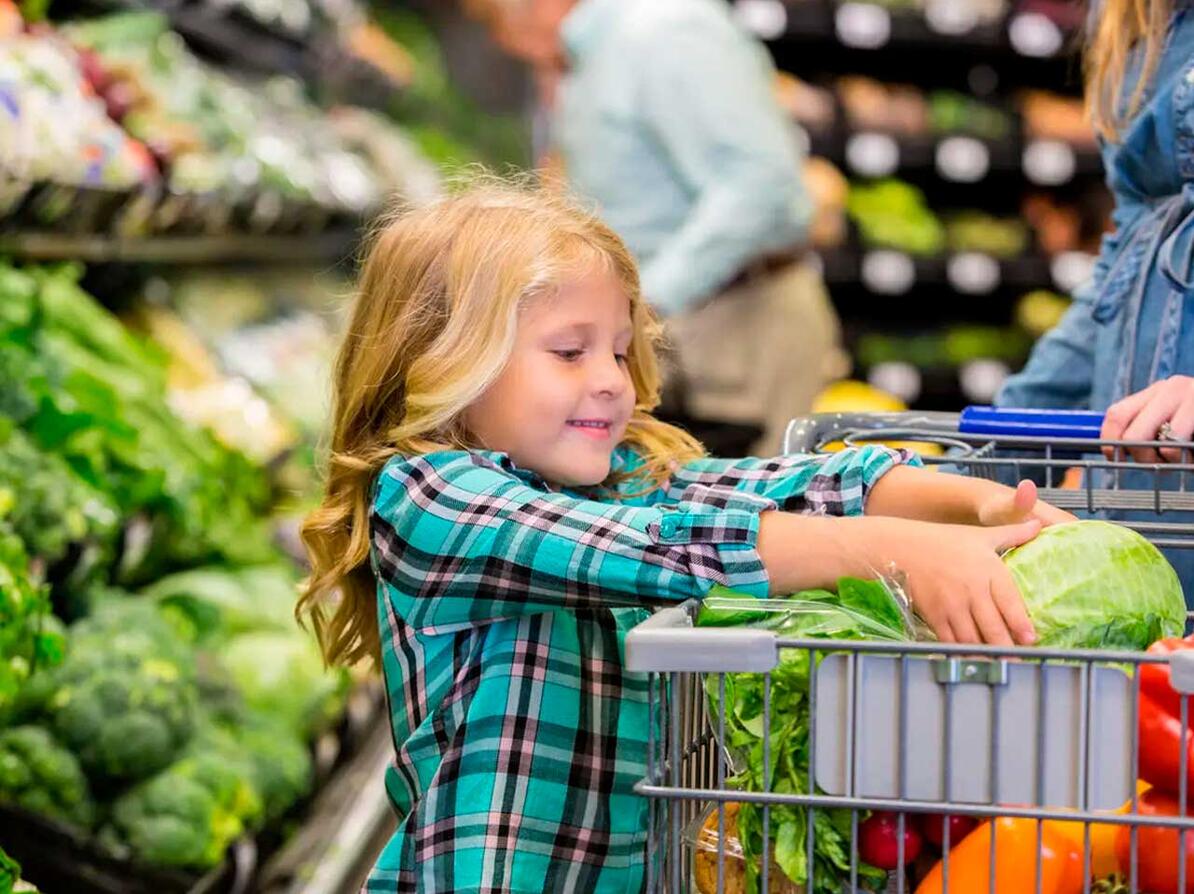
(1031, 423)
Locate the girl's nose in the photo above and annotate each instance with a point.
(610, 377)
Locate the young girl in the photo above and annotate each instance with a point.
(501, 508)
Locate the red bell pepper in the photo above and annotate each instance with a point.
(1159, 849)
(1154, 678)
(1162, 739)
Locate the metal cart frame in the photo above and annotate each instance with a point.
(1063, 732)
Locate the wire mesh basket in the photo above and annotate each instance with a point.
(1035, 745)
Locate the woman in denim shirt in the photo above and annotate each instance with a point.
(1127, 343)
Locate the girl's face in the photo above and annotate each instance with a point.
(562, 403)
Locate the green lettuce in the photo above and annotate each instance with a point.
(858, 610)
(1097, 585)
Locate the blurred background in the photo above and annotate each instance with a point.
(183, 188)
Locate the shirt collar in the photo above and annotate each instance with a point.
(586, 24)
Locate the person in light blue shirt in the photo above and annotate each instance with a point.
(665, 116)
(1126, 345)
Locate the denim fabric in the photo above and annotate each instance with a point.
(1132, 323)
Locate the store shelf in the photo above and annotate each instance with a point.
(930, 47)
(345, 829)
(890, 272)
(235, 40)
(957, 159)
(326, 248)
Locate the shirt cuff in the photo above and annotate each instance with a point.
(719, 546)
(883, 461)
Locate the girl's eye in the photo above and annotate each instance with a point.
(569, 355)
(622, 358)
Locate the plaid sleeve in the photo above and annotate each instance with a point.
(461, 538)
(832, 483)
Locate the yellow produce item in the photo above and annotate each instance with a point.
(191, 365)
(1103, 861)
(852, 396)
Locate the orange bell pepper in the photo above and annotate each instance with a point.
(1104, 860)
(1016, 861)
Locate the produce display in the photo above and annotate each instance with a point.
(890, 213)
(154, 736)
(1086, 585)
(906, 110)
(56, 128)
(1050, 116)
(961, 101)
(121, 104)
(953, 112)
(156, 695)
(873, 105)
(995, 236)
(946, 348)
(211, 133)
(811, 106)
(82, 388)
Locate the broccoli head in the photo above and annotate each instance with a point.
(173, 820)
(125, 718)
(39, 775)
(281, 763)
(216, 760)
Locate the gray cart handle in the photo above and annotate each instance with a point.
(806, 434)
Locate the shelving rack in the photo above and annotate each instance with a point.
(337, 832)
(937, 45)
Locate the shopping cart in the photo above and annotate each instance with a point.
(1020, 734)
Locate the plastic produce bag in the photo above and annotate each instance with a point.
(860, 610)
(703, 838)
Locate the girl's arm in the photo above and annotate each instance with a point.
(877, 479)
(461, 539)
(831, 483)
(954, 575)
(466, 538)
(919, 494)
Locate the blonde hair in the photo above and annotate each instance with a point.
(432, 326)
(1121, 26)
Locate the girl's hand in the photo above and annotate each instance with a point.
(1010, 506)
(956, 579)
(1139, 417)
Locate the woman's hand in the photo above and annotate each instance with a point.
(1139, 417)
(1011, 505)
(956, 578)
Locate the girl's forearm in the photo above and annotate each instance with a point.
(908, 492)
(802, 552)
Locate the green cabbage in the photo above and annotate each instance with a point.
(1097, 585)
(280, 675)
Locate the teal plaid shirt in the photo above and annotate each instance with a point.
(504, 606)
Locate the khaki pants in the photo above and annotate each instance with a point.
(760, 352)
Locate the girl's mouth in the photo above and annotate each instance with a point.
(597, 429)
